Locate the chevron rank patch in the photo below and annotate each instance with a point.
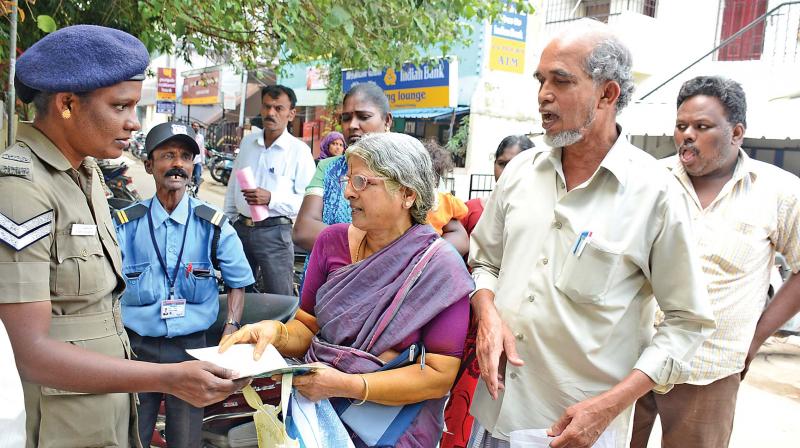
(21, 235)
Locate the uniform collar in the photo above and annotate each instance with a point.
(42, 146)
(282, 142)
(616, 161)
(179, 215)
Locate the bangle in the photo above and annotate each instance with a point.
(281, 330)
(234, 323)
(366, 390)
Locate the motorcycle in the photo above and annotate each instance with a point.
(229, 423)
(121, 186)
(137, 146)
(222, 168)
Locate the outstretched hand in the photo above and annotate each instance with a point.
(201, 383)
(260, 334)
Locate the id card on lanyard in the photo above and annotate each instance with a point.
(171, 307)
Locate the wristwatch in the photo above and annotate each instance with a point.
(234, 323)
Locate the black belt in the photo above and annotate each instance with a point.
(269, 222)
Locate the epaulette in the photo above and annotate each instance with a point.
(17, 160)
(211, 215)
(129, 214)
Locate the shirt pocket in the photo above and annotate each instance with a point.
(80, 269)
(282, 183)
(586, 277)
(198, 286)
(141, 288)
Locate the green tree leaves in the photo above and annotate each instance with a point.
(374, 33)
(46, 23)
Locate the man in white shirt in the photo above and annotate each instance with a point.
(12, 410)
(575, 239)
(282, 166)
(744, 211)
(199, 159)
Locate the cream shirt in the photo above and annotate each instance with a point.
(583, 320)
(756, 213)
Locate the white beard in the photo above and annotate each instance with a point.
(570, 136)
(564, 138)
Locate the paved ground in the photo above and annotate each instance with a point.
(768, 406)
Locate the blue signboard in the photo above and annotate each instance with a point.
(429, 85)
(165, 107)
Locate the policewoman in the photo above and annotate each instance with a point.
(172, 244)
(60, 263)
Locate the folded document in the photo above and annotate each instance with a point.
(239, 357)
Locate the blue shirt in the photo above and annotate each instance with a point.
(147, 284)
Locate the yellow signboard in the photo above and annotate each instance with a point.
(507, 51)
(507, 55)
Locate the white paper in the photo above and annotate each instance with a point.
(537, 438)
(240, 359)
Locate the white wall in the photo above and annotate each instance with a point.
(502, 104)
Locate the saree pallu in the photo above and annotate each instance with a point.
(353, 304)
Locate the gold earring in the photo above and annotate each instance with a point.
(66, 114)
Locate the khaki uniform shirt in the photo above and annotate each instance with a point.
(42, 259)
(756, 213)
(583, 317)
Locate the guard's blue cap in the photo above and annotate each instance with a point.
(80, 58)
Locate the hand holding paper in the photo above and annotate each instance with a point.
(248, 181)
(240, 359)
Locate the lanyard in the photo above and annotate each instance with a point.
(172, 280)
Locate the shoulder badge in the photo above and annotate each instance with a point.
(17, 160)
(211, 215)
(21, 235)
(129, 214)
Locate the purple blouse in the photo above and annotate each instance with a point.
(443, 335)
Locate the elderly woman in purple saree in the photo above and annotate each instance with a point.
(376, 288)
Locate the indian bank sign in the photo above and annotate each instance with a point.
(434, 84)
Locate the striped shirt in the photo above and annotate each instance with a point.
(755, 214)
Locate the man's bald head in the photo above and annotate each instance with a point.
(605, 57)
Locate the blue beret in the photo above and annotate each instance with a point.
(81, 58)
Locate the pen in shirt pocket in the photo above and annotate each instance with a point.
(580, 243)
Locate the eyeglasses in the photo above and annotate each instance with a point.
(359, 181)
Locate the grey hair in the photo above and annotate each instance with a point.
(404, 162)
(609, 60)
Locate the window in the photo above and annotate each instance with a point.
(649, 7)
(737, 15)
(598, 9)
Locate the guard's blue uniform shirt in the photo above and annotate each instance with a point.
(147, 284)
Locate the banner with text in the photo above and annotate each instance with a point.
(507, 45)
(434, 84)
(201, 89)
(165, 84)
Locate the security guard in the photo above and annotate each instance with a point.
(171, 245)
(60, 263)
